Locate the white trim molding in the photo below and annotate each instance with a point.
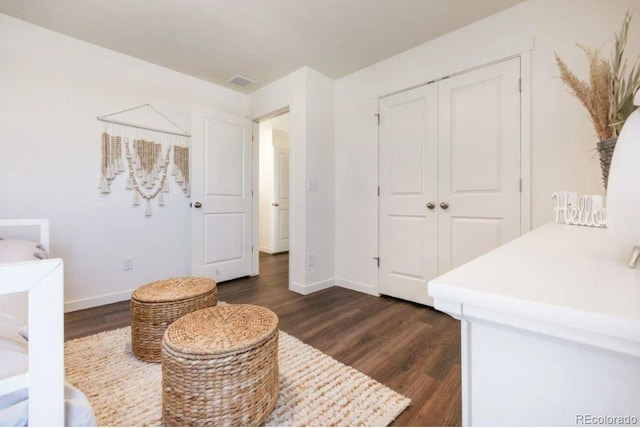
(311, 288)
(92, 302)
(357, 286)
(525, 140)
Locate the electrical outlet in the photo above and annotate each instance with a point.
(127, 264)
(311, 259)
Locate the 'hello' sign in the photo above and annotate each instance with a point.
(580, 210)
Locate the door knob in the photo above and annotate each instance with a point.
(444, 205)
(275, 204)
(197, 205)
(431, 205)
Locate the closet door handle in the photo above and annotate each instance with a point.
(444, 205)
(275, 204)
(431, 205)
(197, 205)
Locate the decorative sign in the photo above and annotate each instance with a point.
(580, 210)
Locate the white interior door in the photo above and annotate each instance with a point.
(281, 199)
(449, 176)
(479, 162)
(408, 187)
(221, 217)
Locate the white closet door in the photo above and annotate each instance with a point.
(408, 182)
(281, 199)
(479, 162)
(221, 217)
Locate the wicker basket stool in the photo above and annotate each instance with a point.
(156, 305)
(220, 367)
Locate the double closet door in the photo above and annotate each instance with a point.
(449, 176)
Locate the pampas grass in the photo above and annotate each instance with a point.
(622, 90)
(594, 94)
(608, 94)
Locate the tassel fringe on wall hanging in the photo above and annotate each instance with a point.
(147, 157)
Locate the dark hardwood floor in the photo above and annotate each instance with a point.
(412, 349)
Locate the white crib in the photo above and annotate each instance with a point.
(43, 280)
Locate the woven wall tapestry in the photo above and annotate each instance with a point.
(148, 154)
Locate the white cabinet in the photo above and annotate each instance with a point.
(550, 330)
(449, 175)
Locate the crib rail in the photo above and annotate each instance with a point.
(43, 280)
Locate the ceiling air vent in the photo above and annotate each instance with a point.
(241, 81)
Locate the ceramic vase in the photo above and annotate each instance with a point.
(623, 193)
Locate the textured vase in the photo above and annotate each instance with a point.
(623, 194)
(605, 152)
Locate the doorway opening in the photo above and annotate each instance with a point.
(273, 189)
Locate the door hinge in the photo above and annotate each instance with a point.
(378, 117)
(252, 248)
(377, 259)
(520, 185)
(378, 190)
(520, 84)
(251, 192)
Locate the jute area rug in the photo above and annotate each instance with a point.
(315, 389)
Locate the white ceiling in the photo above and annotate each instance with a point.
(260, 39)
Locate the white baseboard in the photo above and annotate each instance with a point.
(76, 305)
(357, 286)
(265, 250)
(311, 288)
(91, 302)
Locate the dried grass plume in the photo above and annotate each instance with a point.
(608, 95)
(594, 94)
(623, 85)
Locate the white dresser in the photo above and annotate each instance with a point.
(550, 330)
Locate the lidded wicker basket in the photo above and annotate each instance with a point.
(220, 367)
(156, 305)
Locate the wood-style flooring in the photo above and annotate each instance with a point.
(412, 349)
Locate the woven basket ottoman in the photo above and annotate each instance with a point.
(220, 367)
(156, 305)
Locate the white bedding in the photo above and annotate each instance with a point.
(15, 361)
(17, 250)
(14, 347)
(78, 412)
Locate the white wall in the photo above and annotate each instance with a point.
(562, 138)
(280, 138)
(320, 167)
(309, 96)
(53, 87)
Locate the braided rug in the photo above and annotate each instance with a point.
(315, 389)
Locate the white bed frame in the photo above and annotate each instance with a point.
(43, 280)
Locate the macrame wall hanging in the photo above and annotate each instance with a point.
(148, 155)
